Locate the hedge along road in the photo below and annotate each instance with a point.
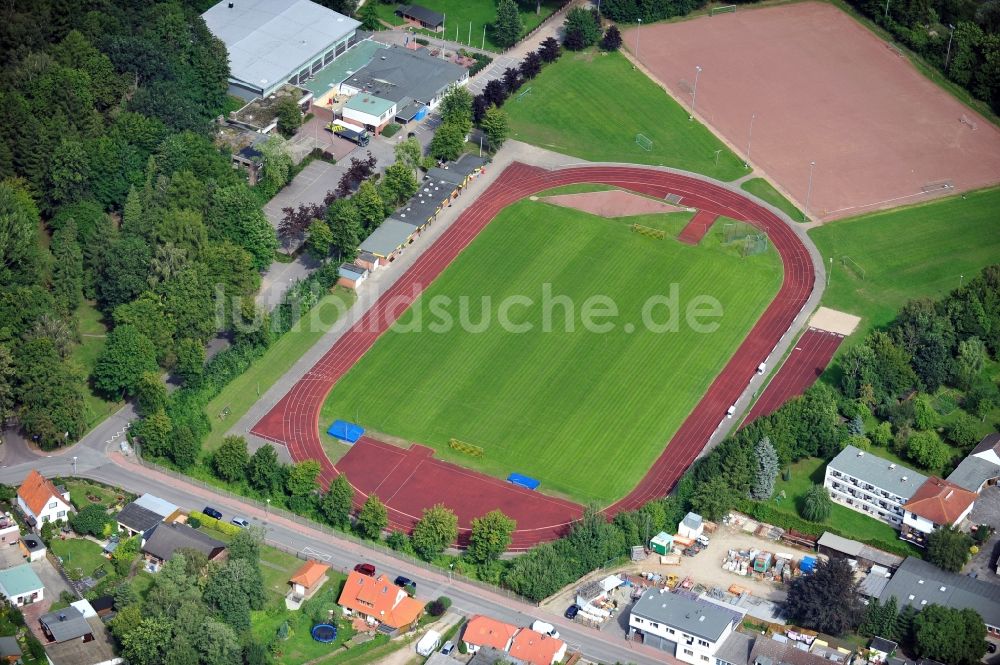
(294, 420)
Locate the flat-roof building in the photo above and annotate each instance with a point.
(871, 485)
(692, 628)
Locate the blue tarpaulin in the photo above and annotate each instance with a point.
(345, 431)
(523, 481)
(808, 564)
(421, 113)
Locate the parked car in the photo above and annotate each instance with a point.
(703, 541)
(212, 512)
(991, 647)
(545, 629)
(448, 647)
(572, 611)
(241, 522)
(365, 569)
(404, 581)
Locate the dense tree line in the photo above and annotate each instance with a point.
(112, 191)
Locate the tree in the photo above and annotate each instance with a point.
(816, 504)
(827, 600)
(146, 642)
(539, 572)
(436, 529)
(124, 272)
(246, 545)
(948, 548)
(264, 470)
(19, 256)
(880, 620)
(150, 394)
(234, 589)
(580, 31)
(369, 17)
(153, 432)
(147, 314)
(612, 40)
(67, 268)
(494, 92)
(971, 359)
(881, 434)
(767, 470)
(963, 431)
(507, 26)
(345, 226)
(373, 518)
(410, 153)
(496, 125)
(928, 450)
(126, 356)
(713, 499)
(511, 80)
(449, 140)
(235, 215)
(549, 50)
(950, 636)
(456, 107)
(490, 537)
(337, 502)
(186, 447)
(302, 478)
(190, 360)
(289, 116)
(398, 184)
(231, 459)
(369, 204)
(319, 240)
(924, 415)
(6, 383)
(530, 66)
(92, 520)
(982, 398)
(276, 164)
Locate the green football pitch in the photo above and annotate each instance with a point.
(573, 108)
(584, 412)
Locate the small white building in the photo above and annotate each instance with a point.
(690, 628)
(41, 501)
(369, 112)
(21, 586)
(691, 526)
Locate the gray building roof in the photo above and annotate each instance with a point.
(973, 472)
(401, 75)
(927, 582)
(269, 41)
(422, 14)
(350, 270)
(137, 518)
(491, 656)
(692, 521)
(854, 549)
(387, 238)
(877, 471)
(166, 539)
(155, 504)
(875, 582)
(690, 615)
(9, 646)
(66, 624)
(424, 204)
(989, 442)
(736, 649)
(883, 645)
(786, 653)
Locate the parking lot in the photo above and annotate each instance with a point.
(987, 511)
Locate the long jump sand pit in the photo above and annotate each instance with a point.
(820, 87)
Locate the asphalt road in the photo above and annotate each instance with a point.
(101, 460)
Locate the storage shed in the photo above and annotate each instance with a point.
(662, 543)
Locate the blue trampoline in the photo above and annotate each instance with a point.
(324, 632)
(523, 481)
(345, 431)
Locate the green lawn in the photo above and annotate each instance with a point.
(92, 335)
(244, 390)
(574, 109)
(459, 13)
(763, 190)
(584, 412)
(80, 557)
(83, 492)
(917, 251)
(808, 472)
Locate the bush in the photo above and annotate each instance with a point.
(435, 608)
(816, 504)
(212, 523)
(391, 130)
(194, 522)
(422, 42)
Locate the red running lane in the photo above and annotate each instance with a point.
(294, 420)
(800, 370)
(697, 228)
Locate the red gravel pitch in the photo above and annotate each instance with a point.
(612, 203)
(800, 370)
(696, 229)
(417, 481)
(823, 89)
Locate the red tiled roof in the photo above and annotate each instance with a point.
(36, 491)
(378, 597)
(535, 648)
(482, 631)
(310, 573)
(940, 501)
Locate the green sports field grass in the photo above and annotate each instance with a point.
(906, 253)
(572, 109)
(460, 13)
(763, 190)
(584, 412)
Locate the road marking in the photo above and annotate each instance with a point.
(317, 554)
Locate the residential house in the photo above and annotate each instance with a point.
(491, 656)
(160, 544)
(10, 650)
(134, 520)
(532, 647)
(65, 625)
(483, 632)
(919, 583)
(21, 586)
(692, 628)
(41, 501)
(937, 503)
(774, 652)
(380, 602)
(167, 511)
(307, 580)
(981, 468)
(871, 485)
(735, 650)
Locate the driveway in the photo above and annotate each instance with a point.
(987, 511)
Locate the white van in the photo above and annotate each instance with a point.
(545, 629)
(429, 643)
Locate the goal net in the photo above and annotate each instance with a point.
(644, 142)
(724, 9)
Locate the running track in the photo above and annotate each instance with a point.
(811, 355)
(294, 420)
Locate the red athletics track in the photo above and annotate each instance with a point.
(294, 420)
(811, 355)
(697, 228)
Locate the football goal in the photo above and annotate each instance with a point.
(723, 9)
(644, 142)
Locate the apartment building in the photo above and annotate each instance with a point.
(690, 627)
(871, 485)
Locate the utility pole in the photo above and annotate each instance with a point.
(809, 191)
(694, 96)
(947, 56)
(750, 139)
